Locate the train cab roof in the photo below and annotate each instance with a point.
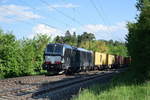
(71, 47)
(84, 50)
(64, 45)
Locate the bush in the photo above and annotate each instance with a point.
(21, 57)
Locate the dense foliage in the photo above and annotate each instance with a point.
(139, 41)
(21, 57)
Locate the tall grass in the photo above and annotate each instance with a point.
(113, 91)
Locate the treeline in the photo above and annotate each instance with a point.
(25, 57)
(88, 41)
(139, 41)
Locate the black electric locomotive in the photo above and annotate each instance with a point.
(65, 58)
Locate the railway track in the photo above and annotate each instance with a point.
(55, 85)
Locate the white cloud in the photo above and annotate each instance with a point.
(100, 27)
(44, 29)
(11, 13)
(96, 28)
(115, 32)
(69, 5)
(72, 30)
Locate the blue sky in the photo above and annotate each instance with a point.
(105, 18)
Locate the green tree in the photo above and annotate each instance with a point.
(9, 65)
(58, 39)
(27, 57)
(84, 38)
(139, 41)
(67, 39)
(21, 57)
(67, 34)
(39, 43)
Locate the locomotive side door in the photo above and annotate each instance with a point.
(67, 57)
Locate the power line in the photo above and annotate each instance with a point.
(49, 16)
(101, 7)
(30, 22)
(64, 3)
(78, 12)
(99, 13)
(97, 10)
(62, 13)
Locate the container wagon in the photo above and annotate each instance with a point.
(110, 61)
(100, 60)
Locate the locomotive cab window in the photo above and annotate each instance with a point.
(55, 49)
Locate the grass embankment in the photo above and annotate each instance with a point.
(118, 89)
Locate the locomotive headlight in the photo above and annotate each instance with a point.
(62, 61)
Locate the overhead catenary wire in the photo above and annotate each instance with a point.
(58, 20)
(62, 13)
(31, 22)
(101, 8)
(73, 9)
(100, 15)
(97, 10)
(89, 19)
(69, 17)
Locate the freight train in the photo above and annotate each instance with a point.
(63, 58)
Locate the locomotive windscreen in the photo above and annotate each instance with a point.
(55, 49)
